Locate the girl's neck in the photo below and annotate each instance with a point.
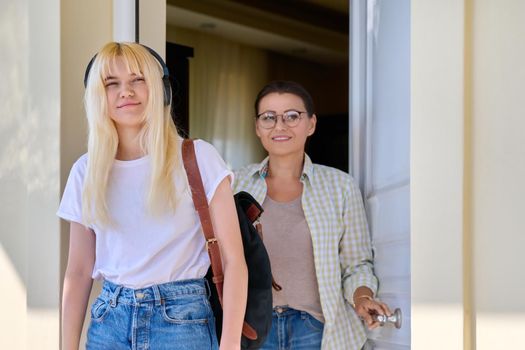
(286, 167)
(128, 145)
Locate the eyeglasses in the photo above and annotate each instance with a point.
(268, 120)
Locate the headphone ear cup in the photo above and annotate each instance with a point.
(167, 90)
(88, 69)
(165, 76)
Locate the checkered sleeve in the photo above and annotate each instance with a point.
(355, 246)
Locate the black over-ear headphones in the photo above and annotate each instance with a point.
(165, 75)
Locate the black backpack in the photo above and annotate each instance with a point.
(258, 317)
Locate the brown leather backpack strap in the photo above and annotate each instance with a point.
(201, 205)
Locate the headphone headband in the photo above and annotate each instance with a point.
(165, 73)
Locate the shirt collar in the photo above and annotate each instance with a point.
(308, 168)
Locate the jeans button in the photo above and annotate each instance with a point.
(139, 295)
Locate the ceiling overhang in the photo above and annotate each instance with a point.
(260, 28)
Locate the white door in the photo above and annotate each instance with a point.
(380, 119)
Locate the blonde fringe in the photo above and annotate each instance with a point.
(158, 138)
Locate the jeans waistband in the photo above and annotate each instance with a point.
(285, 311)
(155, 293)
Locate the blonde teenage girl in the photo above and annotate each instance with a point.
(133, 223)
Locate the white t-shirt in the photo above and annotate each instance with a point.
(142, 250)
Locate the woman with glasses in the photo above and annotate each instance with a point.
(315, 231)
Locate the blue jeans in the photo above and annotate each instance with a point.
(174, 315)
(294, 330)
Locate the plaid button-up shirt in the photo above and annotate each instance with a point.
(334, 212)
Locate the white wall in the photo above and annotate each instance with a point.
(498, 170)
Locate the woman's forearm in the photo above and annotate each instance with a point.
(75, 298)
(235, 288)
(234, 303)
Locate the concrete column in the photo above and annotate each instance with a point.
(498, 170)
(437, 173)
(14, 154)
(152, 22)
(124, 16)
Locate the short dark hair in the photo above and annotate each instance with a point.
(286, 87)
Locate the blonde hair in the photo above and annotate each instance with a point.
(158, 137)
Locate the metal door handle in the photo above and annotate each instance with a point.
(394, 319)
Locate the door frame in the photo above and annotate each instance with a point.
(361, 60)
(357, 90)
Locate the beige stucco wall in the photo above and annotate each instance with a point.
(153, 25)
(467, 164)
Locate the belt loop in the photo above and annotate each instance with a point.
(156, 293)
(114, 296)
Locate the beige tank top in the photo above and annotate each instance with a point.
(289, 244)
